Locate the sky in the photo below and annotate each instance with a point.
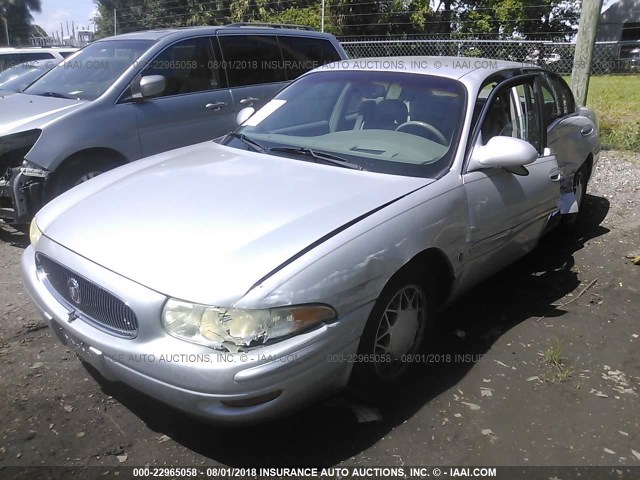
(56, 11)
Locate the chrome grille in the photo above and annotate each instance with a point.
(94, 304)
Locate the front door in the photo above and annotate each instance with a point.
(193, 107)
(508, 210)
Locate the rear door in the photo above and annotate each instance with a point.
(194, 106)
(572, 137)
(508, 210)
(254, 68)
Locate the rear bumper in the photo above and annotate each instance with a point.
(206, 383)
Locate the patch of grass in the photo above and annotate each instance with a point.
(616, 100)
(558, 371)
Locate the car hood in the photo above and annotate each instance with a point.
(205, 223)
(20, 112)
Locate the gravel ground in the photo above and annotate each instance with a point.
(617, 179)
(538, 366)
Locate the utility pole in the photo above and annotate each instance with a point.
(115, 21)
(6, 31)
(583, 57)
(322, 18)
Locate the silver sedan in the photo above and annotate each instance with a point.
(314, 247)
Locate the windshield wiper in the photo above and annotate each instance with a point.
(324, 156)
(252, 143)
(56, 95)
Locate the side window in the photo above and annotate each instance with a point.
(483, 94)
(513, 113)
(301, 54)
(186, 67)
(558, 99)
(550, 106)
(6, 61)
(251, 59)
(66, 54)
(32, 56)
(13, 59)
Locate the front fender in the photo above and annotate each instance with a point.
(99, 125)
(351, 269)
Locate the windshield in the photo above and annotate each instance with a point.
(19, 77)
(92, 71)
(391, 122)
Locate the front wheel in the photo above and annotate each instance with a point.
(400, 324)
(81, 169)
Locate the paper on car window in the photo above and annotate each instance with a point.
(264, 112)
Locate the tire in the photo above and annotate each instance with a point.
(580, 180)
(401, 324)
(81, 169)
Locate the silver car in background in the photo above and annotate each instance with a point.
(123, 98)
(315, 247)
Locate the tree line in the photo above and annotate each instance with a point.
(488, 19)
(532, 19)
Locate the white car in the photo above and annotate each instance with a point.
(10, 57)
(316, 246)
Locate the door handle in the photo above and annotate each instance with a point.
(556, 176)
(248, 100)
(215, 105)
(586, 131)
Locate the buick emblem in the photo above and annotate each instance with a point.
(74, 290)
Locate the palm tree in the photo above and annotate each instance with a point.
(16, 16)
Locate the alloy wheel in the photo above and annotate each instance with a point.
(400, 331)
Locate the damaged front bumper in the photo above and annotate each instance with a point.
(221, 387)
(21, 182)
(22, 193)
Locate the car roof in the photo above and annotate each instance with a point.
(472, 70)
(177, 33)
(35, 49)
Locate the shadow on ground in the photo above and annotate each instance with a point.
(524, 291)
(16, 237)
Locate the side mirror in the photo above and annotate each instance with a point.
(152, 85)
(244, 114)
(503, 152)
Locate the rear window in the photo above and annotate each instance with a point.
(302, 54)
(251, 59)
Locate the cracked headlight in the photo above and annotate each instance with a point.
(232, 328)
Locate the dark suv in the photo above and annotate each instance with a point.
(134, 95)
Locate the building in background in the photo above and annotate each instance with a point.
(40, 38)
(620, 22)
(84, 37)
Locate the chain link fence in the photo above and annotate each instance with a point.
(608, 57)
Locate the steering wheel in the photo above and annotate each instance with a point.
(431, 130)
